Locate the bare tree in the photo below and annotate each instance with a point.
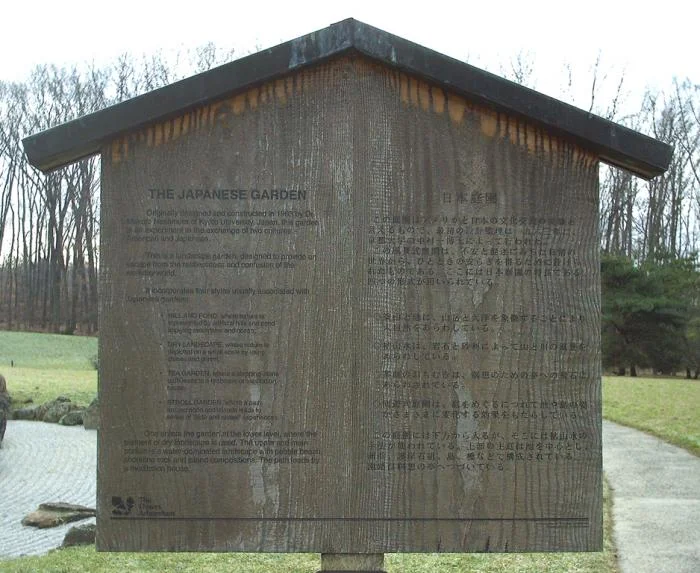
(668, 196)
(49, 224)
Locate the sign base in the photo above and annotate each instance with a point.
(352, 563)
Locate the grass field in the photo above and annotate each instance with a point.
(88, 561)
(668, 408)
(47, 351)
(41, 367)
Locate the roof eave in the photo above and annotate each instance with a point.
(613, 143)
(84, 136)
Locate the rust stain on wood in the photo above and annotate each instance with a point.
(238, 104)
(489, 123)
(218, 112)
(177, 127)
(253, 98)
(280, 91)
(438, 97)
(546, 143)
(116, 152)
(417, 93)
(403, 82)
(455, 107)
(208, 116)
(119, 146)
(531, 137)
(503, 126)
(424, 96)
(411, 91)
(158, 134)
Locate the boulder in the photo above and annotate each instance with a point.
(54, 514)
(91, 416)
(60, 410)
(4, 406)
(56, 410)
(80, 535)
(72, 418)
(25, 413)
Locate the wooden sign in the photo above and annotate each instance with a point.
(349, 311)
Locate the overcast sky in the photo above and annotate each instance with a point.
(649, 42)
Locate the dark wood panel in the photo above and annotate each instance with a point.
(349, 311)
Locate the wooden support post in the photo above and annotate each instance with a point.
(352, 563)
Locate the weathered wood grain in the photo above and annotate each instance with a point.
(412, 346)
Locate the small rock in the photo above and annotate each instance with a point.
(54, 514)
(25, 413)
(91, 416)
(80, 535)
(56, 411)
(65, 506)
(40, 410)
(72, 418)
(4, 406)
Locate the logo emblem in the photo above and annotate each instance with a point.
(121, 506)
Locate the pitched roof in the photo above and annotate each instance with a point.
(613, 143)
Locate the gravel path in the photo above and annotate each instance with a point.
(40, 463)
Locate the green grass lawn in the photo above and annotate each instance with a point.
(668, 408)
(47, 366)
(47, 351)
(88, 561)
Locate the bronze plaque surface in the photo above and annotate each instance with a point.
(347, 311)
